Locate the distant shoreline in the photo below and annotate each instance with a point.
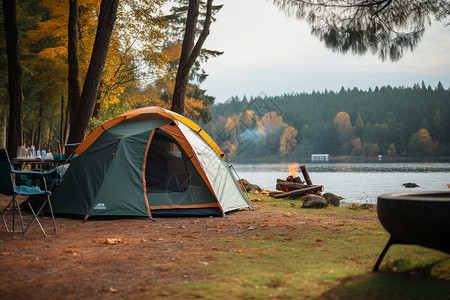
(342, 159)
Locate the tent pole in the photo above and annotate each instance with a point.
(240, 180)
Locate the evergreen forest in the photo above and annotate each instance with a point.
(386, 121)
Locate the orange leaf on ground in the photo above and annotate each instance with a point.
(261, 253)
(319, 240)
(69, 251)
(257, 200)
(240, 251)
(229, 239)
(189, 236)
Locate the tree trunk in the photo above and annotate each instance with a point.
(189, 52)
(5, 122)
(61, 123)
(40, 122)
(98, 102)
(79, 124)
(74, 86)
(49, 141)
(15, 85)
(66, 128)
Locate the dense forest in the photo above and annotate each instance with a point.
(387, 121)
(54, 43)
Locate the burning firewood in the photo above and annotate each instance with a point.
(306, 175)
(289, 186)
(300, 192)
(294, 186)
(296, 179)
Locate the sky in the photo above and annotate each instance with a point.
(267, 52)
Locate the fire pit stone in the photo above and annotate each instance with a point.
(314, 201)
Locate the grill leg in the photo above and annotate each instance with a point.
(391, 241)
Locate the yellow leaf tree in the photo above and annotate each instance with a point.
(288, 140)
(344, 128)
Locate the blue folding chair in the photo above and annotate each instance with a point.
(25, 183)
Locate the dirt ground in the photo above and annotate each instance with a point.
(119, 258)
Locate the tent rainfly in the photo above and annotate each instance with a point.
(148, 162)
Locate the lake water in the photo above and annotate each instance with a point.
(357, 183)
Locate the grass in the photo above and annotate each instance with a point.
(331, 256)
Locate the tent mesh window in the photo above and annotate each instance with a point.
(165, 168)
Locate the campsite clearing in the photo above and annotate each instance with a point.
(278, 251)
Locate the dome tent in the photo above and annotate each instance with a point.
(148, 162)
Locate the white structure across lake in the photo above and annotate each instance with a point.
(319, 157)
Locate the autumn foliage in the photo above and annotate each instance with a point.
(246, 134)
(140, 66)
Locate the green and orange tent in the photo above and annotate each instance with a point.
(147, 162)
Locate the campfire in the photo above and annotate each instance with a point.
(294, 185)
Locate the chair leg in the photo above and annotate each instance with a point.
(3, 215)
(51, 212)
(36, 216)
(15, 206)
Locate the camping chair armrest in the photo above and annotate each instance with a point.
(35, 174)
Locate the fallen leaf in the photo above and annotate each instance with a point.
(257, 200)
(261, 253)
(265, 225)
(6, 253)
(320, 240)
(327, 271)
(216, 230)
(289, 214)
(240, 251)
(189, 236)
(174, 233)
(69, 251)
(229, 239)
(113, 290)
